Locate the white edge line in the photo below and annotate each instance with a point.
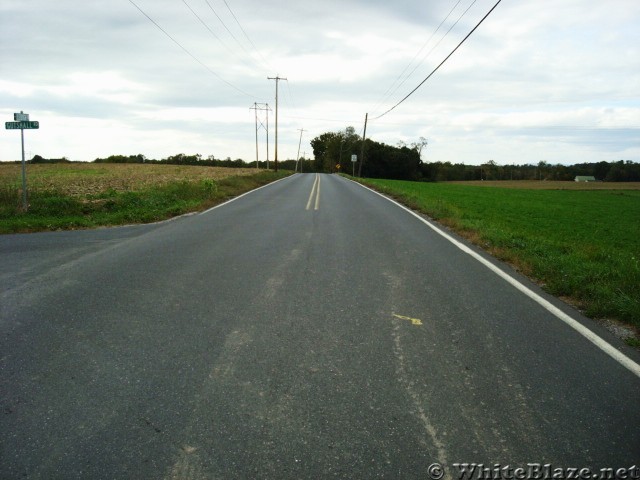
(603, 345)
(244, 194)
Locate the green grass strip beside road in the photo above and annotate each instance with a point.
(583, 246)
(52, 210)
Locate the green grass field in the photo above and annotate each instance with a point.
(581, 245)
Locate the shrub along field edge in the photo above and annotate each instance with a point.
(581, 246)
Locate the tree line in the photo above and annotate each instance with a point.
(332, 152)
(619, 171)
(178, 159)
(196, 159)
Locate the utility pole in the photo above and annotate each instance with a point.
(298, 155)
(268, 109)
(255, 108)
(265, 108)
(277, 78)
(364, 138)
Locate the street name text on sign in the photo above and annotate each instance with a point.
(21, 125)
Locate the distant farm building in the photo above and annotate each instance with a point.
(585, 179)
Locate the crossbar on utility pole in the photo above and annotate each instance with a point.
(277, 78)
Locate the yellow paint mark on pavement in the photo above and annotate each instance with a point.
(414, 321)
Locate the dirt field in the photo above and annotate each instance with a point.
(82, 179)
(547, 185)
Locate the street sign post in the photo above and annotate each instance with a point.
(22, 123)
(354, 159)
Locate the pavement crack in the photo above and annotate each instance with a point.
(151, 424)
(404, 379)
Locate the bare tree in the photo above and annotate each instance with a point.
(419, 145)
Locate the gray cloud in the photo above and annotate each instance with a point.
(534, 76)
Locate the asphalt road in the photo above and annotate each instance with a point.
(309, 329)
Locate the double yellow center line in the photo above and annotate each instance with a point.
(315, 191)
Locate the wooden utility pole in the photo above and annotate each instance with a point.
(265, 108)
(277, 78)
(255, 108)
(267, 135)
(364, 139)
(298, 155)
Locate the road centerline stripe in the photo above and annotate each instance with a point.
(315, 189)
(318, 195)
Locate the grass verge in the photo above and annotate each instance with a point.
(582, 246)
(54, 209)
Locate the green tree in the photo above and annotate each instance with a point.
(332, 148)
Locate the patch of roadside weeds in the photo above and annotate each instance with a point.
(627, 333)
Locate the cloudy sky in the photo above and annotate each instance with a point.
(554, 80)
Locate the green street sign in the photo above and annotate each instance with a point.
(21, 125)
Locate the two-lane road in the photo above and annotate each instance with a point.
(309, 329)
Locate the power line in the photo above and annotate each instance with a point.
(265, 63)
(189, 53)
(223, 24)
(230, 32)
(441, 63)
(213, 33)
(434, 47)
(290, 96)
(330, 120)
(388, 92)
(204, 24)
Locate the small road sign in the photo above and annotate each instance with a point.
(354, 158)
(21, 125)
